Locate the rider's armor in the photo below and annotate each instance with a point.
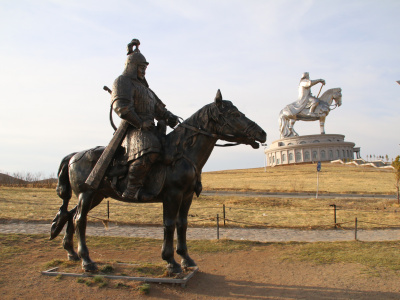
(134, 102)
(131, 95)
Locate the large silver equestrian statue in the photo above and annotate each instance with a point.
(307, 107)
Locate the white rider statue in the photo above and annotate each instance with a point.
(305, 98)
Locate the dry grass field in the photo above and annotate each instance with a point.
(35, 204)
(333, 178)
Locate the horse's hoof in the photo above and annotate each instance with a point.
(188, 263)
(90, 267)
(174, 268)
(73, 257)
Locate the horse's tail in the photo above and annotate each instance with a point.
(283, 124)
(64, 191)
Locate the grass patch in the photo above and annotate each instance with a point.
(98, 279)
(149, 270)
(52, 264)
(121, 285)
(220, 246)
(144, 288)
(80, 280)
(375, 255)
(59, 277)
(107, 269)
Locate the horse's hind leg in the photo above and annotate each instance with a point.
(68, 241)
(182, 224)
(84, 206)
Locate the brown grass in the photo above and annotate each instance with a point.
(35, 204)
(333, 178)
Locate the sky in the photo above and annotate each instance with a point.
(56, 56)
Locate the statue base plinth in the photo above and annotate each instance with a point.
(310, 148)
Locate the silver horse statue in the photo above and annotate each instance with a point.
(287, 117)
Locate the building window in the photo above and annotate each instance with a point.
(323, 154)
(316, 141)
(273, 159)
(344, 154)
(338, 153)
(307, 155)
(278, 161)
(290, 156)
(314, 155)
(283, 157)
(298, 156)
(330, 154)
(303, 142)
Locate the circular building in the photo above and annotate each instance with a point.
(310, 148)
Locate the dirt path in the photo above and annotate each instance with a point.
(247, 274)
(261, 235)
(296, 195)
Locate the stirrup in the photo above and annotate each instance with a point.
(131, 193)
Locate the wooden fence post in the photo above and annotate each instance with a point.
(224, 213)
(217, 227)
(355, 229)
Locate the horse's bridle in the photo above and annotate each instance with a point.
(221, 136)
(213, 135)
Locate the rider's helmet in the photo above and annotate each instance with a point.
(134, 59)
(305, 75)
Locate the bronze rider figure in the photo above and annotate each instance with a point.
(133, 101)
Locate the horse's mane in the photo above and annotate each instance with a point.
(330, 92)
(181, 137)
(202, 116)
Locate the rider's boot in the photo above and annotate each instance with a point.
(137, 174)
(312, 110)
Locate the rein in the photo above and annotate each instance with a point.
(213, 135)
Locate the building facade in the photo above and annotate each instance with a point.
(310, 148)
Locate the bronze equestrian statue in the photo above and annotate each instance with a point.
(171, 164)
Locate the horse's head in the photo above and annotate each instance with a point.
(232, 125)
(337, 96)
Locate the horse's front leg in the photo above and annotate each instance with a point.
(181, 229)
(322, 124)
(171, 205)
(84, 205)
(291, 129)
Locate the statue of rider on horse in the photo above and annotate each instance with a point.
(143, 164)
(308, 107)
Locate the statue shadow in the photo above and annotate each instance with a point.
(211, 286)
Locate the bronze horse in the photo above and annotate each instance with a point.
(187, 147)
